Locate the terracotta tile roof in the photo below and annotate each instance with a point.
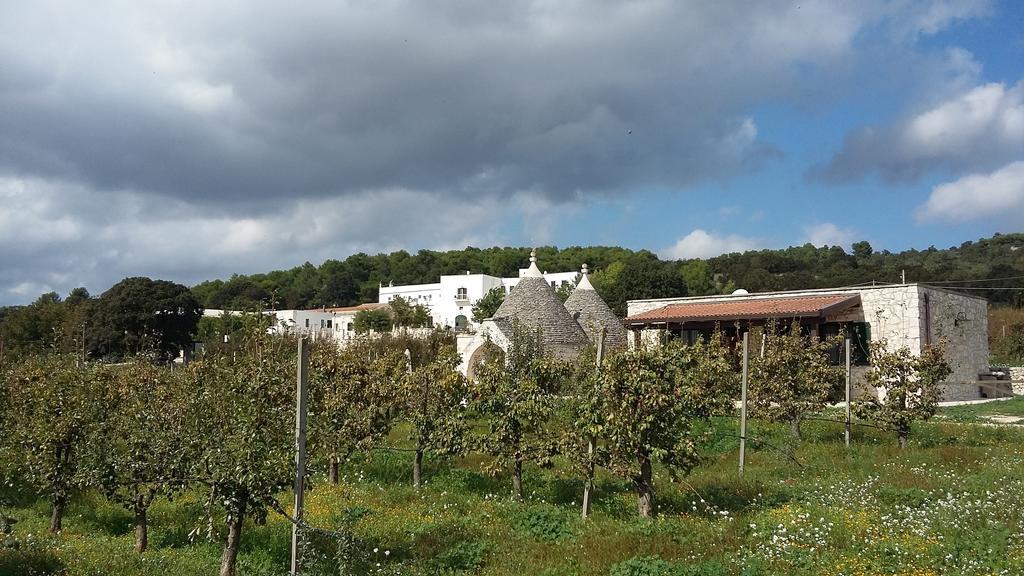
(748, 308)
(368, 306)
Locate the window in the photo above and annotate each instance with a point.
(860, 341)
(350, 327)
(329, 322)
(461, 321)
(553, 285)
(307, 322)
(461, 294)
(322, 324)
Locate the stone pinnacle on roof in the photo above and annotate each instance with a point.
(593, 314)
(584, 283)
(533, 271)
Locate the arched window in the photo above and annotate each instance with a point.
(461, 321)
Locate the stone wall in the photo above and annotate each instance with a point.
(961, 322)
(1017, 376)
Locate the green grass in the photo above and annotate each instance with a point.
(950, 504)
(982, 412)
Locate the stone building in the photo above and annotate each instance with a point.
(565, 329)
(912, 315)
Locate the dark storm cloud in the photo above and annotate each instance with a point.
(248, 104)
(196, 139)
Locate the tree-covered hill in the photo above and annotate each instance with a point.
(621, 274)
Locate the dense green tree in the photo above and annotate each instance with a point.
(488, 304)
(55, 405)
(139, 314)
(37, 327)
(377, 320)
(697, 276)
(404, 314)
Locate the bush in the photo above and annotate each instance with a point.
(29, 562)
(466, 555)
(546, 523)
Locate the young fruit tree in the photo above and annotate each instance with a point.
(516, 391)
(432, 394)
(55, 405)
(793, 377)
(244, 414)
(907, 385)
(352, 397)
(657, 402)
(582, 411)
(145, 444)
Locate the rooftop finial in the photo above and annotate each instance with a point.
(584, 283)
(533, 270)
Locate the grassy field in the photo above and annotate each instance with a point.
(982, 413)
(952, 504)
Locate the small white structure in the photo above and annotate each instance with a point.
(450, 301)
(334, 323)
(912, 315)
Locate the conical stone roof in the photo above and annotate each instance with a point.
(591, 313)
(534, 304)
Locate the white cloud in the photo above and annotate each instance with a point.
(94, 238)
(979, 129)
(828, 234)
(999, 195)
(702, 244)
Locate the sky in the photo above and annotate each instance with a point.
(193, 140)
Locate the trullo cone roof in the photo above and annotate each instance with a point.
(534, 304)
(591, 312)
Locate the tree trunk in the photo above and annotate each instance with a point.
(333, 471)
(230, 557)
(904, 436)
(588, 485)
(517, 478)
(644, 484)
(417, 469)
(141, 528)
(57, 516)
(794, 426)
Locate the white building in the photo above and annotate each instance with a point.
(450, 301)
(335, 323)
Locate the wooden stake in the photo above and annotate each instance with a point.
(301, 397)
(743, 402)
(846, 433)
(588, 488)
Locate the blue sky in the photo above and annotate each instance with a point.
(189, 142)
(777, 205)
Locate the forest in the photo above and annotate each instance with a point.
(118, 321)
(620, 274)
